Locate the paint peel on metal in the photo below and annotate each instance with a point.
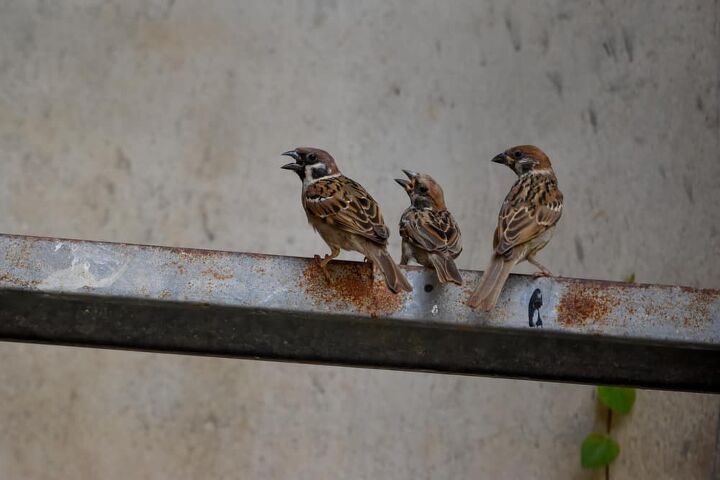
(96, 268)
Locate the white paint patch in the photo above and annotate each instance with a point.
(89, 268)
(435, 309)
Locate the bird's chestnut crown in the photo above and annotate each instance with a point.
(523, 159)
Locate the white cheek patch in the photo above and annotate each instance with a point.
(316, 166)
(314, 171)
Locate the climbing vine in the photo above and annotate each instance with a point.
(599, 450)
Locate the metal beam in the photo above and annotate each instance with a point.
(70, 292)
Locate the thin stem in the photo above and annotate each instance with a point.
(608, 427)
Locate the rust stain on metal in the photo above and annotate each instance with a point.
(258, 256)
(705, 293)
(585, 303)
(593, 302)
(193, 253)
(217, 275)
(699, 307)
(694, 312)
(202, 254)
(20, 257)
(178, 266)
(352, 285)
(19, 282)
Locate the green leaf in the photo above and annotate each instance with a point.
(619, 400)
(598, 450)
(630, 278)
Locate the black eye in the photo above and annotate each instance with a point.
(311, 157)
(423, 189)
(517, 154)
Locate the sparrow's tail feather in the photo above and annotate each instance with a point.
(445, 269)
(394, 278)
(491, 284)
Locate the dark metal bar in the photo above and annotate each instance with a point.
(71, 292)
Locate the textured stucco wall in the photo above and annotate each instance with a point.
(161, 122)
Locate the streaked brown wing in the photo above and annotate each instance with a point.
(529, 209)
(344, 203)
(435, 232)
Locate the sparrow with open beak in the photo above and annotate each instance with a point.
(429, 232)
(343, 213)
(526, 221)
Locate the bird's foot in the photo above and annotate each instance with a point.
(322, 263)
(543, 273)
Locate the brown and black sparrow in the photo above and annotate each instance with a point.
(343, 213)
(428, 230)
(526, 221)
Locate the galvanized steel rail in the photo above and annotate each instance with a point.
(107, 295)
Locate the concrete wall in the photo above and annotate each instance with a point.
(161, 122)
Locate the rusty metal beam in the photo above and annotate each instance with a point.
(70, 292)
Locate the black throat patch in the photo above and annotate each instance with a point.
(318, 171)
(422, 202)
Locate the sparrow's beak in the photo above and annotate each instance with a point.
(294, 155)
(500, 158)
(410, 174)
(293, 166)
(403, 183)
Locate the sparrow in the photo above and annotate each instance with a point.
(344, 214)
(429, 232)
(526, 221)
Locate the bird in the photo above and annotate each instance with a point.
(344, 214)
(526, 221)
(429, 232)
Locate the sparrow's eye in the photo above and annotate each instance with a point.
(423, 189)
(311, 157)
(517, 154)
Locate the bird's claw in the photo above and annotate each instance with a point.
(322, 263)
(372, 270)
(327, 275)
